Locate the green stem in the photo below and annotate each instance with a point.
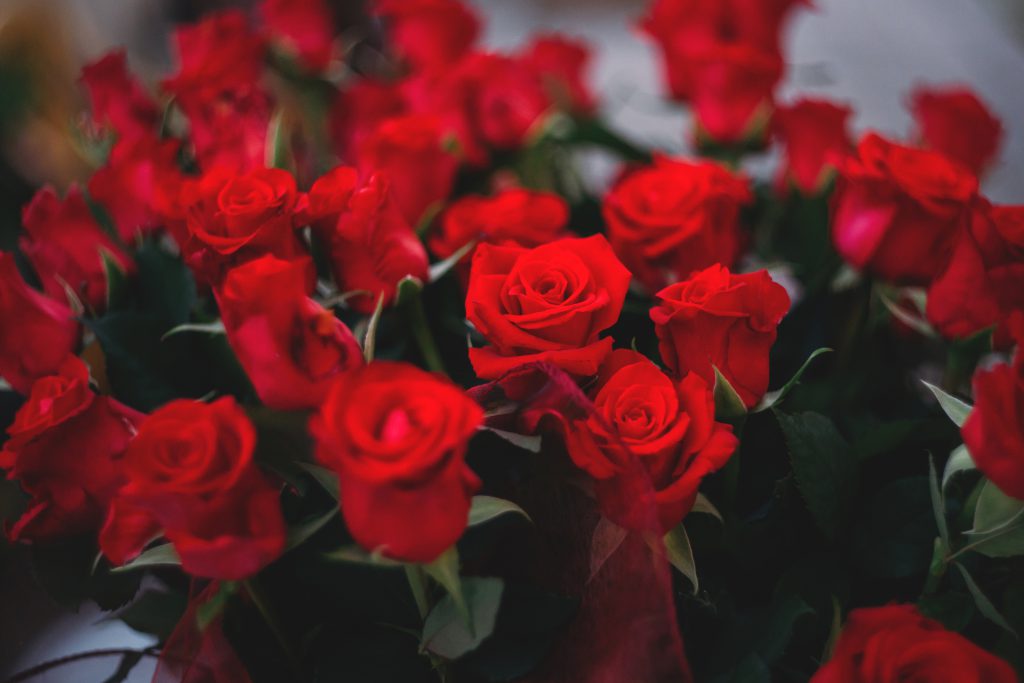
(421, 333)
(259, 599)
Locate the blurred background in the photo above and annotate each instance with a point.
(868, 53)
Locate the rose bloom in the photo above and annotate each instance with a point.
(290, 346)
(65, 245)
(527, 218)
(895, 643)
(550, 303)
(984, 280)
(994, 430)
(674, 217)
(668, 424)
(63, 448)
(720, 320)
(305, 28)
(410, 151)
(231, 218)
(39, 332)
(118, 100)
(562, 63)
(814, 133)
(370, 245)
(429, 35)
(397, 437)
(898, 210)
(190, 475)
(956, 123)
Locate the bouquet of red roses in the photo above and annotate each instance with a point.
(339, 349)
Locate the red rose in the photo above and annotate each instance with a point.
(674, 217)
(233, 218)
(487, 101)
(814, 133)
(984, 280)
(732, 92)
(669, 425)
(65, 244)
(190, 475)
(562, 63)
(898, 210)
(895, 643)
(217, 87)
(129, 186)
(994, 431)
(527, 218)
(290, 347)
(397, 437)
(720, 320)
(63, 449)
(370, 245)
(410, 151)
(118, 99)
(39, 332)
(429, 35)
(305, 28)
(956, 123)
(549, 303)
(356, 112)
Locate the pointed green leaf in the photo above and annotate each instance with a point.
(959, 461)
(486, 508)
(302, 532)
(408, 288)
(956, 409)
(998, 524)
(159, 556)
(370, 340)
(916, 322)
(680, 554)
(703, 506)
(938, 502)
(772, 398)
(445, 632)
(216, 327)
(728, 404)
(277, 142)
(445, 570)
(985, 606)
(117, 280)
(325, 477)
(441, 268)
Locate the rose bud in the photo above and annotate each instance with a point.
(668, 424)
(526, 218)
(410, 151)
(70, 487)
(720, 320)
(190, 475)
(370, 245)
(994, 430)
(118, 100)
(984, 280)
(304, 28)
(550, 303)
(290, 347)
(814, 133)
(429, 35)
(39, 332)
(674, 217)
(66, 245)
(562, 63)
(956, 123)
(397, 437)
(233, 218)
(898, 210)
(895, 643)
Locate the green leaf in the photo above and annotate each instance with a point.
(959, 461)
(408, 288)
(824, 466)
(527, 442)
(325, 477)
(216, 327)
(207, 612)
(998, 524)
(916, 322)
(445, 570)
(446, 633)
(300, 533)
(370, 340)
(728, 404)
(773, 398)
(956, 409)
(938, 503)
(703, 506)
(680, 554)
(486, 508)
(159, 556)
(354, 554)
(117, 280)
(441, 268)
(984, 605)
(277, 142)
